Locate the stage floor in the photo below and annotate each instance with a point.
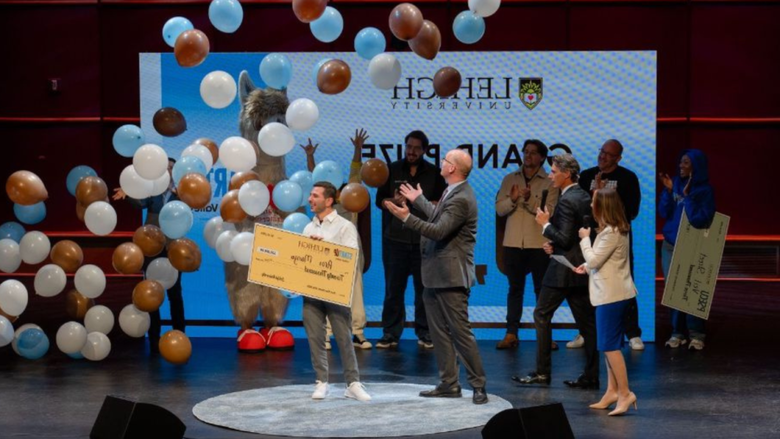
(721, 392)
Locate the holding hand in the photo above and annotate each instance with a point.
(542, 216)
(401, 212)
(584, 232)
(409, 192)
(548, 247)
(581, 269)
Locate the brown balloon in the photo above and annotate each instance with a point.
(406, 20)
(148, 295)
(128, 258)
(175, 347)
(195, 190)
(230, 209)
(309, 10)
(428, 42)
(8, 316)
(333, 77)
(239, 178)
(184, 255)
(77, 305)
(169, 122)
(446, 82)
(25, 188)
(374, 172)
(80, 211)
(91, 189)
(212, 146)
(150, 239)
(191, 48)
(68, 255)
(354, 197)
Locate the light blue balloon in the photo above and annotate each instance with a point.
(226, 15)
(173, 28)
(295, 222)
(12, 230)
(127, 139)
(287, 195)
(75, 175)
(30, 214)
(175, 219)
(304, 179)
(468, 27)
(32, 344)
(329, 171)
(328, 27)
(276, 70)
(186, 165)
(369, 43)
(316, 69)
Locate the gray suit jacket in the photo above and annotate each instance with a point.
(448, 238)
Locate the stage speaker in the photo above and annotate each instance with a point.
(540, 422)
(123, 419)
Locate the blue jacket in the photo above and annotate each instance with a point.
(699, 205)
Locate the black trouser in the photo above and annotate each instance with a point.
(517, 264)
(631, 317)
(401, 260)
(175, 303)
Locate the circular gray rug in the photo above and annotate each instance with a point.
(394, 410)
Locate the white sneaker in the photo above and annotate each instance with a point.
(577, 343)
(636, 344)
(321, 390)
(696, 344)
(357, 391)
(676, 342)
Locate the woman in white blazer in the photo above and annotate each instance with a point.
(611, 287)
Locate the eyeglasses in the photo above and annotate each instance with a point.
(609, 154)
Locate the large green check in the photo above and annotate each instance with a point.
(690, 285)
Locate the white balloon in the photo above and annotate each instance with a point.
(6, 331)
(19, 331)
(71, 337)
(213, 228)
(90, 281)
(134, 185)
(34, 247)
(223, 245)
(237, 154)
(218, 89)
(275, 139)
(254, 197)
(162, 271)
(10, 255)
(49, 280)
(150, 161)
(99, 319)
(201, 152)
(97, 347)
(100, 218)
(241, 247)
(133, 322)
(484, 8)
(384, 71)
(161, 185)
(302, 114)
(13, 297)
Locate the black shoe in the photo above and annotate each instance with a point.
(480, 396)
(444, 392)
(532, 378)
(386, 342)
(425, 342)
(582, 382)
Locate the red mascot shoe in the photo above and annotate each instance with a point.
(279, 339)
(250, 341)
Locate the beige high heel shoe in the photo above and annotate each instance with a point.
(623, 406)
(604, 403)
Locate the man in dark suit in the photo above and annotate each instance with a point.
(560, 282)
(447, 249)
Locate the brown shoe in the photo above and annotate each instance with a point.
(510, 341)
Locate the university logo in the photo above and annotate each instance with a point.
(531, 92)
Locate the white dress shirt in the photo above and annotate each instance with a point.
(334, 228)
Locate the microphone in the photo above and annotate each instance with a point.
(544, 199)
(587, 221)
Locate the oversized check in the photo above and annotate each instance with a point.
(292, 262)
(690, 285)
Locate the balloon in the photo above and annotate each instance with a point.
(253, 197)
(49, 280)
(191, 49)
(295, 222)
(148, 295)
(333, 77)
(6, 331)
(468, 27)
(162, 271)
(384, 71)
(91, 189)
(309, 10)
(223, 245)
(241, 247)
(406, 21)
(275, 139)
(12, 230)
(175, 347)
(34, 248)
(354, 197)
(75, 175)
(160, 185)
(18, 333)
(195, 190)
(329, 171)
(374, 172)
(100, 218)
(184, 255)
(484, 8)
(226, 15)
(150, 239)
(212, 146)
(446, 82)
(188, 165)
(213, 228)
(150, 162)
(30, 214)
(239, 178)
(25, 188)
(175, 219)
(133, 322)
(97, 347)
(428, 42)
(315, 72)
(169, 122)
(287, 195)
(134, 185)
(237, 154)
(128, 258)
(369, 43)
(304, 179)
(201, 152)
(301, 115)
(329, 26)
(276, 70)
(76, 305)
(13, 297)
(32, 344)
(90, 281)
(173, 28)
(230, 208)
(99, 319)
(10, 256)
(218, 89)
(127, 139)
(68, 255)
